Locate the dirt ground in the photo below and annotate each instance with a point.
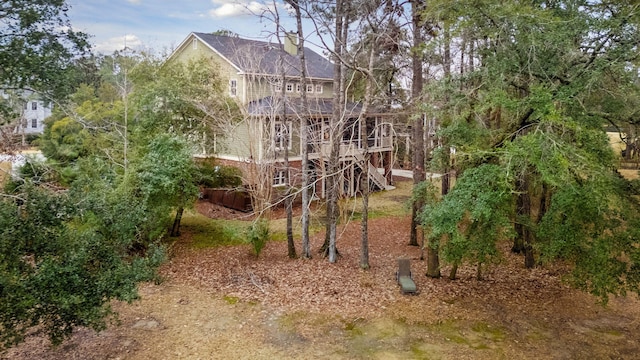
(223, 303)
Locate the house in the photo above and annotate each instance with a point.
(30, 109)
(264, 78)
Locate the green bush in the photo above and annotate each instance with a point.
(258, 235)
(218, 176)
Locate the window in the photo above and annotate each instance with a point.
(194, 43)
(277, 86)
(233, 87)
(34, 123)
(319, 88)
(34, 105)
(289, 87)
(309, 88)
(279, 178)
(282, 135)
(298, 87)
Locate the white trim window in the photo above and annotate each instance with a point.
(282, 135)
(289, 87)
(194, 44)
(277, 86)
(233, 87)
(34, 123)
(309, 88)
(319, 88)
(280, 177)
(298, 87)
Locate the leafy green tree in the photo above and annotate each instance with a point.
(38, 45)
(535, 85)
(467, 223)
(61, 264)
(183, 98)
(166, 174)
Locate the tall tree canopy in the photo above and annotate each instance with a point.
(38, 45)
(535, 83)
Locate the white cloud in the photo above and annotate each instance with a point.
(231, 8)
(135, 1)
(118, 43)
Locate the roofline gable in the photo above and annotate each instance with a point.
(193, 35)
(224, 46)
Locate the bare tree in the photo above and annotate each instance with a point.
(304, 131)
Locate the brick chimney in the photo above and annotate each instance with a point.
(291, 43)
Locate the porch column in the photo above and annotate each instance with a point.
(386, 159)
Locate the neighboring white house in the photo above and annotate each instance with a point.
(31, 109)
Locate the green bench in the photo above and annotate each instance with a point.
(405, 278)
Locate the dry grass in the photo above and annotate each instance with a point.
(630, 174)
(5, 169)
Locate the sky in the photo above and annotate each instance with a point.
(161, 25)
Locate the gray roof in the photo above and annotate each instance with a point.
(260, 57)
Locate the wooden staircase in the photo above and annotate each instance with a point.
(374, 176)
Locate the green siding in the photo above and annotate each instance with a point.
(243, 140)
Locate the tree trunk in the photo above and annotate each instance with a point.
(288, 201)
(364, 249)
(523, 213)
(364, 138)
(336, 125)
(433, 263)
(454, 271)
(306, 247)
(433, 257)
(175, 229)
(518, 241)
(418, 151)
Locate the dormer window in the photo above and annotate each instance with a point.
(319, 88)
(289, 87)
(298, 87)
(309, 88)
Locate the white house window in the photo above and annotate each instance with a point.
(34, 123)
(277, 86)
(319, 88)
(282, 135)
(309, 88)
(34, 106)
(289, 87)
(280, 178)
(194, 43)
(233, 87)
(298, 87)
